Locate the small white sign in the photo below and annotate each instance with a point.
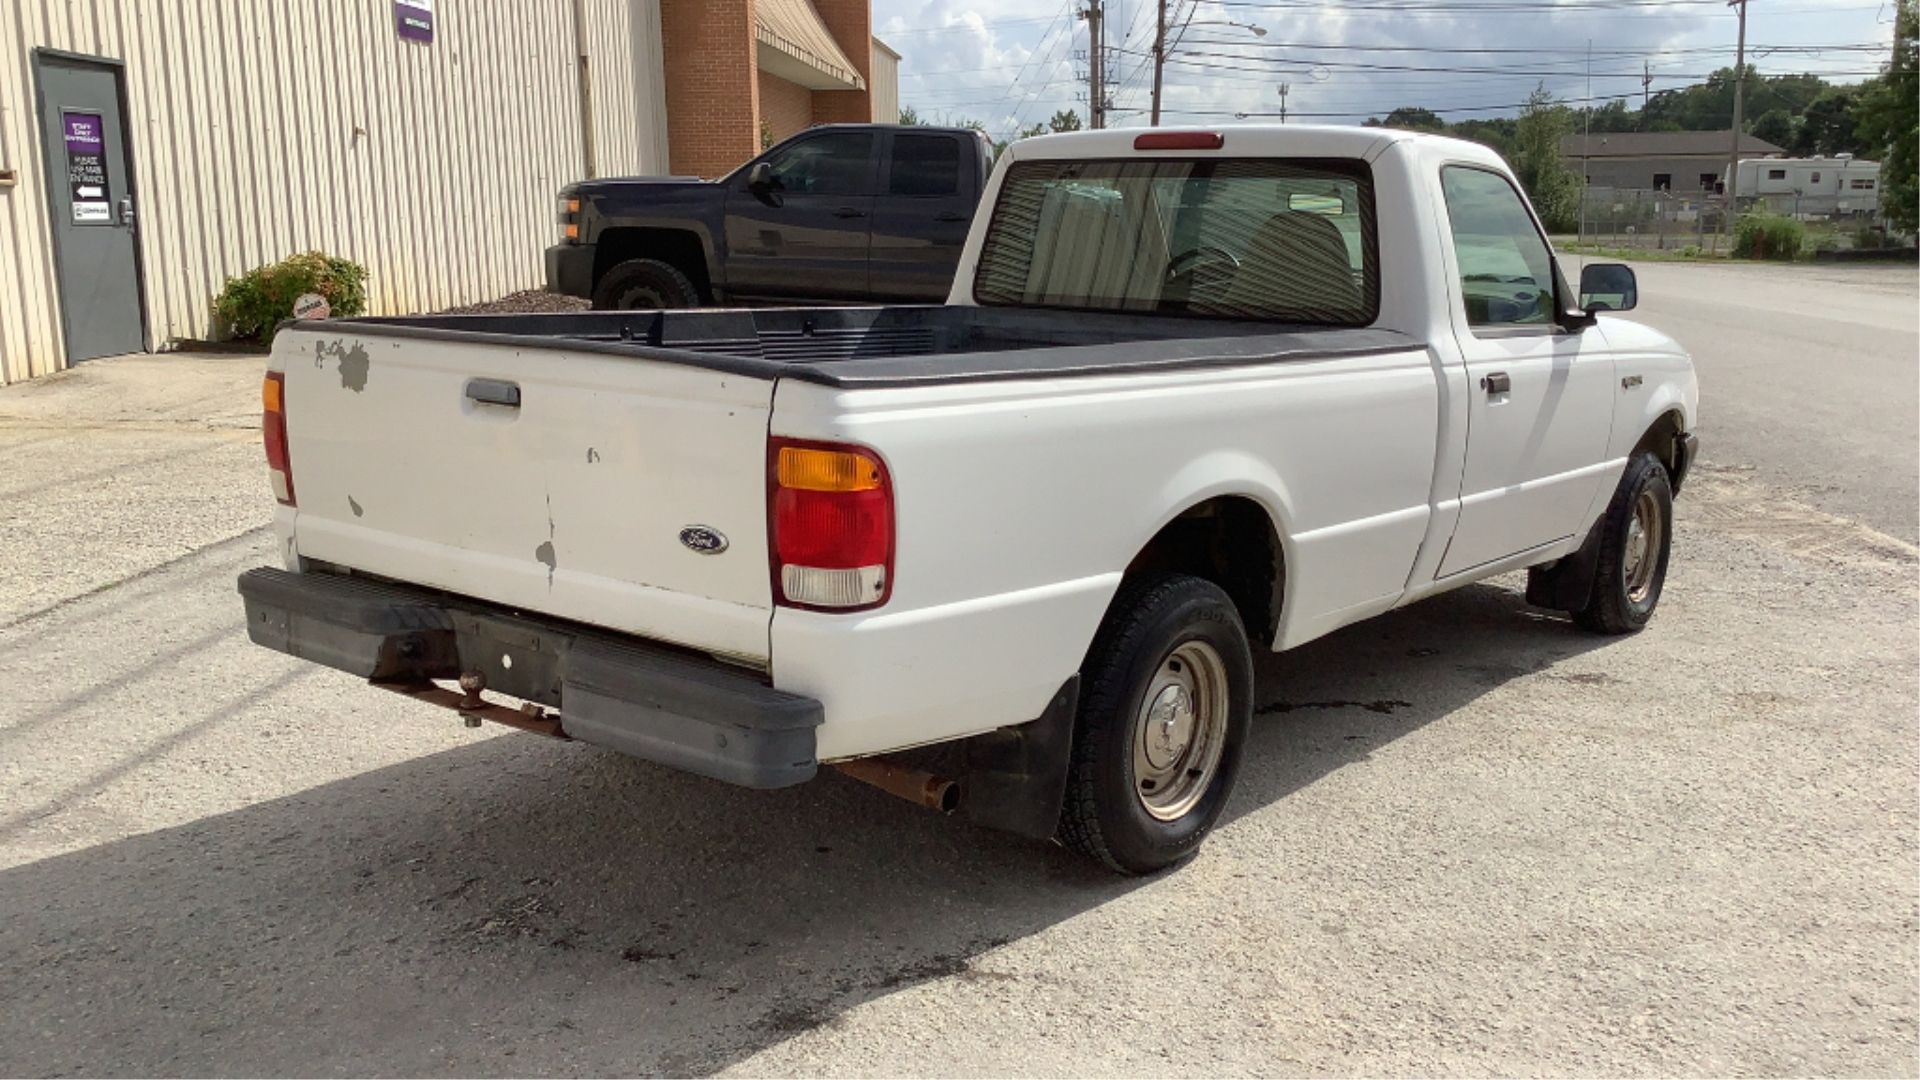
(90, 212)
(311, 306)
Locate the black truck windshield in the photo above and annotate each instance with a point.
(1282, 240)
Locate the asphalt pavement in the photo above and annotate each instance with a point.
(1468, 838)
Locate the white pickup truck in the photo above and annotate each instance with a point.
(1194, 393)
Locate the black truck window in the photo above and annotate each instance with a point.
(925, 165)
(835, 163)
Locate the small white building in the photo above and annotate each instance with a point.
(1818, 185)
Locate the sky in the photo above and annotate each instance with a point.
(1012, 63)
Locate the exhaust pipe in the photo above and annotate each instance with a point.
(913, 785)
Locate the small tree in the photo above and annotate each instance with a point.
(911, 116)
(1065, 120)
(1889, 122)
(1777, 127)
(1536, 160)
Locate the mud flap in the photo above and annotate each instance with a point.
(1016, 777)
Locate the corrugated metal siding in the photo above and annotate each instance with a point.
(261, 130)
(885, 84)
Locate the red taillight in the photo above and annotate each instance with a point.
(273, 431)
(830, 519)
(1180, 140)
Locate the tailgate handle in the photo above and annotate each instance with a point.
(494, 392)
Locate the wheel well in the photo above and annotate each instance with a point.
(677, 247)
(1231, 542)
(1662, 440)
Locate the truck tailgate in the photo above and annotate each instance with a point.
(548, 479)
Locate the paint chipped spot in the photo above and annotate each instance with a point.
(357, 511)
(546, 555)
(353, 361)
(592, 455)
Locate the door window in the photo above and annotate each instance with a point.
(838, 163)
(1506, 268)
(925, 165)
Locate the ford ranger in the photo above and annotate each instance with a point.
(838, 213)
(1194, 393)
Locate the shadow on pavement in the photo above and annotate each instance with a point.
(524, 907)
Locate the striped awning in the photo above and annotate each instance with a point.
(795, 45)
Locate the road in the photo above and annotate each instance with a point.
(1810, 374)
(1468, 839)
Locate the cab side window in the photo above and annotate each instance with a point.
(839, 163)
(1506, 267)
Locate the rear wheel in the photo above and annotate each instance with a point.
(1166, 704)
(644, 285)
(1635, 542)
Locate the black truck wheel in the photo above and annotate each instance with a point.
(644, 285)
(1166, 702)
(1635, 540)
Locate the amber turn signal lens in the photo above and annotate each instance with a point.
(573, 230)
(807, 469)
(270, 390)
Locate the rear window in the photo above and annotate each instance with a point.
(1284, 240)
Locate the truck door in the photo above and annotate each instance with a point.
(921, 216)
(804, 234)
(1540, 399)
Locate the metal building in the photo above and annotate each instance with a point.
(150, 150)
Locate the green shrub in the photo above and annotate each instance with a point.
(1869, 238)
(1691, 251)
(251, 305)
(1760, 235)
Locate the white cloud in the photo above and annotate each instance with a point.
(961, 57)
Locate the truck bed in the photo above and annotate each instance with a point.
(863, 347)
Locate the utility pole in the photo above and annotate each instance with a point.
(1586, 145)
(1646, 89)
(1159, 56)
(1739, 105)
(1096, 16)
(1284, 87)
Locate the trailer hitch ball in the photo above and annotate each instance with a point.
(471, 683)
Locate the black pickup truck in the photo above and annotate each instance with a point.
(839, 213)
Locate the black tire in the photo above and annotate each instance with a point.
(644, 285)
(1617, 606)
(1153, 621)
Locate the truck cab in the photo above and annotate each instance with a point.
(836, 214)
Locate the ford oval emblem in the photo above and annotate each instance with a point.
(704, 539)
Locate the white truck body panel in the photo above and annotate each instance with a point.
(570, 505)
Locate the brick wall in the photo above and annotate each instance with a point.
(712, 84)
(786, 107)
(851, 24)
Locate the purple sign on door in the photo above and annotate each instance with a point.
(414, 20)
(87, 187)
(85, 133)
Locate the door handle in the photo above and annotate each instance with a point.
(1496, 383)
(126, 211)
(849, 212)
(494, 392)
(950, 215)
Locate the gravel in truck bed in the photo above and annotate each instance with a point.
(526, 301)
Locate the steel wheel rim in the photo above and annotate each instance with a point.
(1644, 535)
(1180, 730)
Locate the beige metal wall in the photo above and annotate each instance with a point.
(260, 129)
(885, 84)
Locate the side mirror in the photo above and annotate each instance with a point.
(760, 177)
(1608, 287)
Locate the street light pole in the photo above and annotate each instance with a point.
(1160, 48)
(1739, 105)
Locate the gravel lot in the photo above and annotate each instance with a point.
(1469, 839)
